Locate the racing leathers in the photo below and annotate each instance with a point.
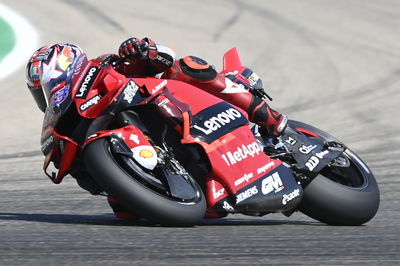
(150, 59)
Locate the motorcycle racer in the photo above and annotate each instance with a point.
(48, 67)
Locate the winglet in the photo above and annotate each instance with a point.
(232, 60)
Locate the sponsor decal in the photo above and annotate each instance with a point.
(163, 102)
(322, 154)
(265, 167)
(244, 178)
(248, 193)
(233, 87)
(272, 183)
(216, 121)
(228, 207)
(35, 71)
(134, 138)
(288, 197)
(253, 78)
(89, 103)
(78, 67)
(47, 143)
(314, 160)
(146, 153)
(60, 95)
(43, 55)
(218, 193)
(234, 73)
(221, 119)
(87, 83)
(241, 153)
(130, 91)
(159, 86)
(306, 149)
(291, 141)
(312, 163)
(164, 60)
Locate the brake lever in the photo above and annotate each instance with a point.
(260, 93)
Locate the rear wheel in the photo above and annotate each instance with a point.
(344, 193)
(145, 192)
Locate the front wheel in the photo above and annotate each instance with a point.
(339, 195)
(110, 172)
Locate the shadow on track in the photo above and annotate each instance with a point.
(110, 220)
(256, 221)
(105, 219)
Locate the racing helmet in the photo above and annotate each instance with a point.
(47, 68)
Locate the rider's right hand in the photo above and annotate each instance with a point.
(134, 48)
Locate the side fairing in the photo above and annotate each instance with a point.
(242, 176)
(96, 88)
(216, 121)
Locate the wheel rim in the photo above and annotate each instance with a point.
(350, 176)
(148, 179)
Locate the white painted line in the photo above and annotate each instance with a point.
(26, 41)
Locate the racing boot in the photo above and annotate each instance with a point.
(196, 71)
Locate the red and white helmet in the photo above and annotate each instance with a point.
(48, 67)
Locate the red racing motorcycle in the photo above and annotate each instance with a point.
(174, 154)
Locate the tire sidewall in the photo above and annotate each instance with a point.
(337, 204)
(135, 196)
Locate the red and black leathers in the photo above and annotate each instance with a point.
(195, 71)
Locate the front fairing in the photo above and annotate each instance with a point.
(59, 102)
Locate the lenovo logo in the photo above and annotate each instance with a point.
(87, 83)
(221, 119)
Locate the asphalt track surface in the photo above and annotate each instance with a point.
(334, 64)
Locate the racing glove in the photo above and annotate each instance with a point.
(138, 49)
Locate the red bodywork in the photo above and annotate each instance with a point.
(236, 158)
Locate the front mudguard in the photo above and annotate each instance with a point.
(128, 141)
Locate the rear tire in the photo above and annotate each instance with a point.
(136, 197)
(347, 196)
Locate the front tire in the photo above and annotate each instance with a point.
(135, 196)
(340, 196)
